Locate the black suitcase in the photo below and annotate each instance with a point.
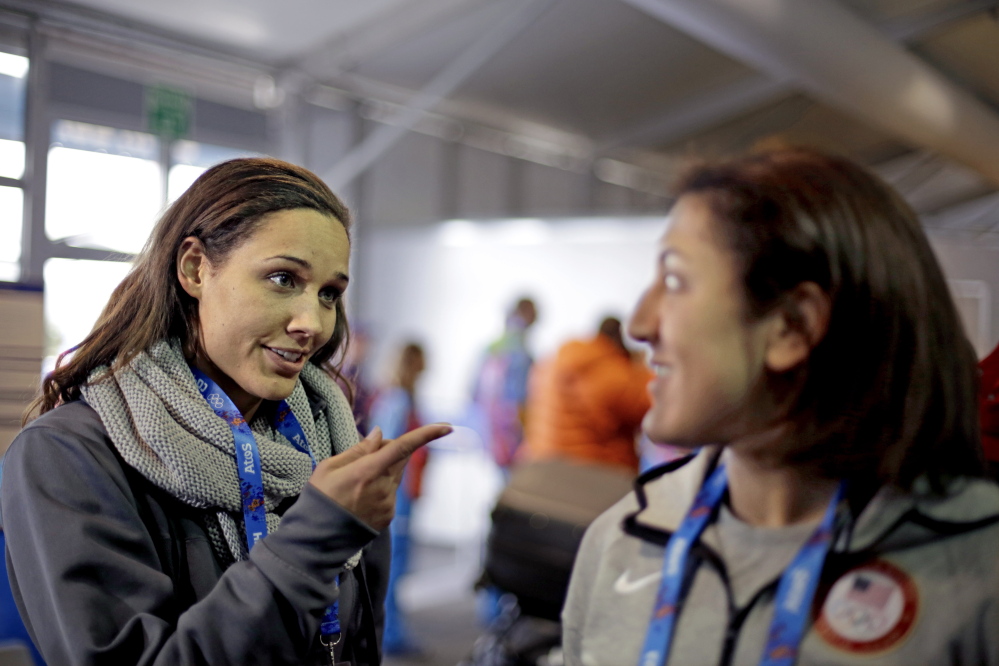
(538, 523)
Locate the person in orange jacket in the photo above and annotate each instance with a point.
(587, 402)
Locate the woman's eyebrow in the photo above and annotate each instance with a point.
(301, 262)
(337, 277)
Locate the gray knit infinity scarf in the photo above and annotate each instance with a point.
(164, 428)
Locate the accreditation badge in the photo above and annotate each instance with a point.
(871, 608)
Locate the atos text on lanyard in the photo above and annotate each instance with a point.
(251, 483)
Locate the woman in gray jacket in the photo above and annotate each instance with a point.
(804, 339)
(192, 490)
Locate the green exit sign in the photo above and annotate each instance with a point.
(168, 112)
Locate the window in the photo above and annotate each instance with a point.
(13, 79)
(106, 191)
(76, 292)
(11, 157)
(11, 214)
(105, 188)
(190, 159)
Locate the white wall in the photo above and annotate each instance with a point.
(450, 285)
(966, 262)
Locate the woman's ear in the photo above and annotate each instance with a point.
(192, 266)
(800, 324)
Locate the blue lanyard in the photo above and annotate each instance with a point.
(251, 482)
(794, 591)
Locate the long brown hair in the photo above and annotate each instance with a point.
(222, 208)
(889, 393)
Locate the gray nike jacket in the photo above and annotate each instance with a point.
(915, 581)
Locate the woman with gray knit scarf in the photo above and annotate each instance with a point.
(192, 489)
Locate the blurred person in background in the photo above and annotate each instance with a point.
(586, 403)
(834, 508)
(394, 410)
(192, 489)
(584, 408)
(500, 392)
(579, 456)
(499, 397)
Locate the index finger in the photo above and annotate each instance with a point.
(403, 446)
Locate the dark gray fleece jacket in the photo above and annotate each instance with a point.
(108, 569)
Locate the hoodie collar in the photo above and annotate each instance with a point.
(665, 493)
(966, 504)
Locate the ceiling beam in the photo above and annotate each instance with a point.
(846, 62)
(717, 106)
(979, 215)
(913, 28)
(383, 137)
(701, 112)
(344, 51)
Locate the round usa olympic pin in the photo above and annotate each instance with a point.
(869, 609)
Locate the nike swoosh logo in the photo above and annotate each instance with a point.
(624, 586)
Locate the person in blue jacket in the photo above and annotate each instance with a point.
(396, 412)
